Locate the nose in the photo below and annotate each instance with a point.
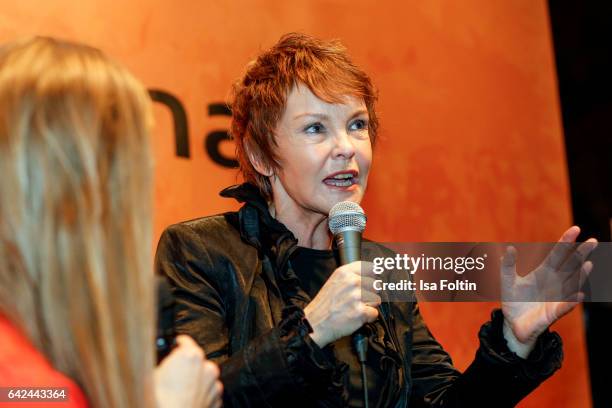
(343, 146)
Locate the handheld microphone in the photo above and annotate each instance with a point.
(165, 339)
(347, 222)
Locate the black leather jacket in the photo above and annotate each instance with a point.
(239, 298)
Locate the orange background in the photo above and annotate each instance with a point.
(471, 142)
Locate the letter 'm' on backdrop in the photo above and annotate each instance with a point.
(471, 145)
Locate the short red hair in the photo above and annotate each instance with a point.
(260, 96)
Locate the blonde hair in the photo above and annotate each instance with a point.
(75, 216)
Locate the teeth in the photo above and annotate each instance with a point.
(340, 183)
(341, 180)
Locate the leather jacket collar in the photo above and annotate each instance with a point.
(255, 216)
(272, 238)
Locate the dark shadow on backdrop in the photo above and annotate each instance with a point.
(583, 51)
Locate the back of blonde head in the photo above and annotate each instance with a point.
(75, 272)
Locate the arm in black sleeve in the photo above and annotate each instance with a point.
(278, 364)
(496, 378)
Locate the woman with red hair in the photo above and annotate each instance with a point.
(262, 290)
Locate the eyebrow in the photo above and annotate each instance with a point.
(324, 116)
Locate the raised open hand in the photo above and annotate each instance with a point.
(547, 293)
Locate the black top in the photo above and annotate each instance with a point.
(313, 267)
(238, 298)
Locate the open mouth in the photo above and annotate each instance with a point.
(342, 178)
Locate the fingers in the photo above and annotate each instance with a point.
(214, 390)
(509, 258)
(576, 259)
(575, 269)
(508, 270)
(370, 313)
(211, 370)
(585, 271)
(207, 373)
(360, 273)
(187, 347)
(570, 234)
(186, 378)
(219, 391)
(568, 259)
(564, 308)
(182, 340)
(370, 298)
(367, 285)
(361, 268)
(563, 247)
(574, 285)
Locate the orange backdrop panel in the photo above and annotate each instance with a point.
(471, 143)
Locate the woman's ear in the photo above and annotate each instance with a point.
(258, 164)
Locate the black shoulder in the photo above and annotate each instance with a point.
(205, 228)
(207, 252)
(213, 239)
(213, 224)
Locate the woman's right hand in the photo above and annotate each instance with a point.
(346, 301)
(186, 379)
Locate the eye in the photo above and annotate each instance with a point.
(358, 124)
(315, 128)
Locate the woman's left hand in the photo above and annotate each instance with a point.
(559, 278)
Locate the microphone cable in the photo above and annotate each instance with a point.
(360, 342)
(347, 222)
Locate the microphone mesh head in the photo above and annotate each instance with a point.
(346, 215)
